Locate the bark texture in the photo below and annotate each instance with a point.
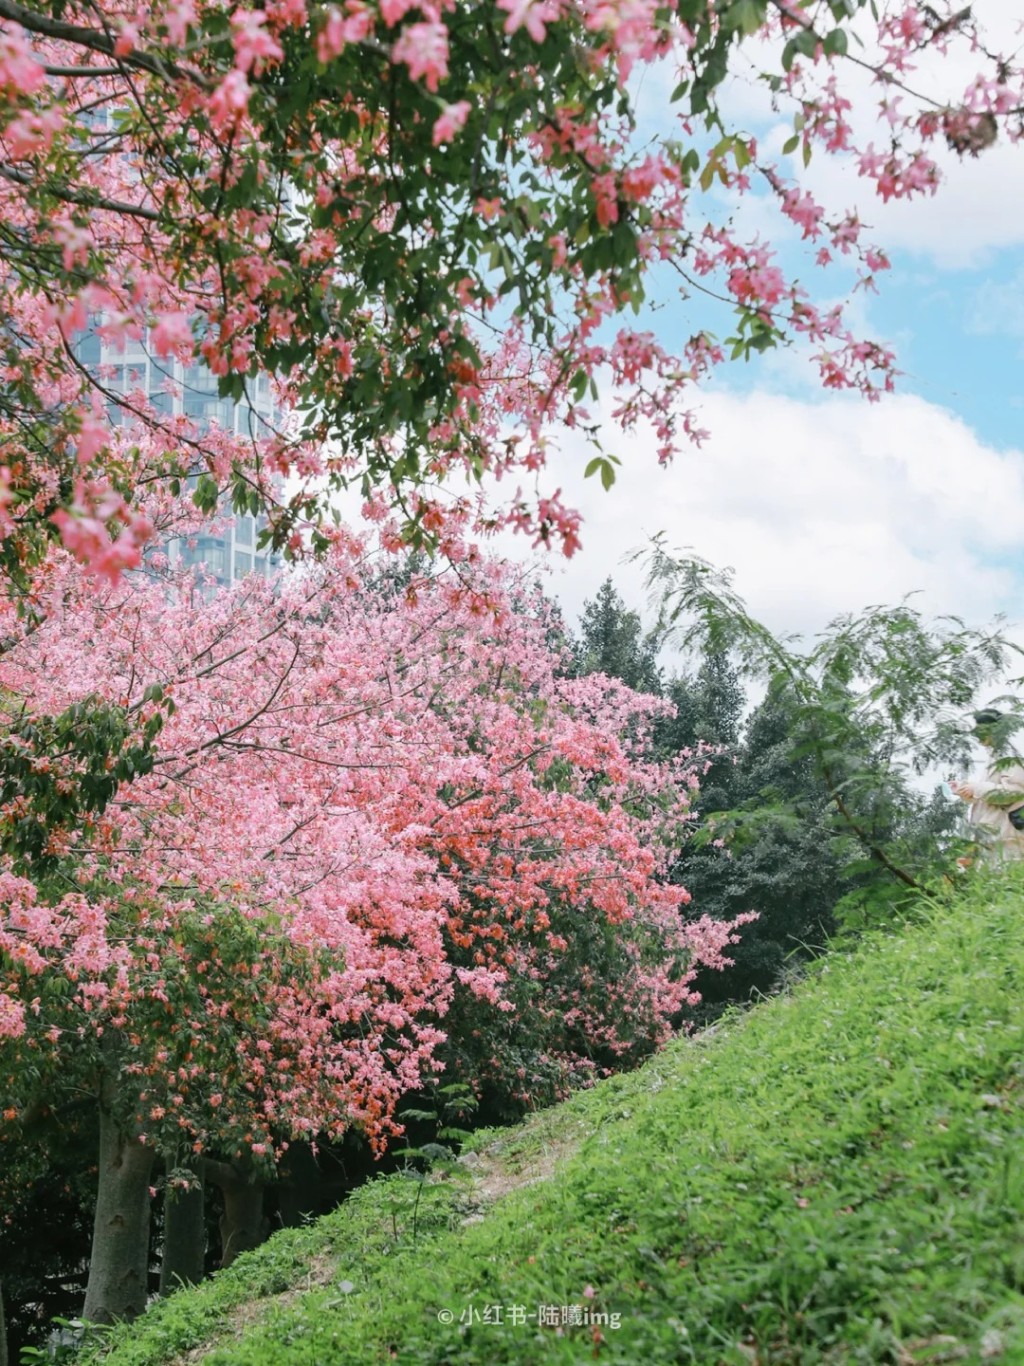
(119, 1264)
(3, 1331)
(184, 1256)
(243, 1225)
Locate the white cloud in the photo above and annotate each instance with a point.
(820, 506)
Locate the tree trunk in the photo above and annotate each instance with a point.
(300, 1192)
(242, 1225)
(3, 1331)
(184, 1256)
(119, 1264)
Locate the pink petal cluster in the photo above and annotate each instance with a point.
(393, 816)
(424, 50)
(450, 122)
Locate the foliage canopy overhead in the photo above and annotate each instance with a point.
(423, 221)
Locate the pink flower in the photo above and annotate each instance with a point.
(606, 199)
(20, 73)
(229, 101)
(453, 118)
(12, 1017)
(559, 251)
(171, 334)
(640, 182)
(128, 39)
(331, 38)
(7, 523)
(85, 531)
(253, 44)
(801, 209)
(533, 15)
(424, 49)
(180, 15)
(75, 243)
(91, 438)
(33, 131)
(760, 285)
(393, 11)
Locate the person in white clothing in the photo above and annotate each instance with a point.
(996, 798)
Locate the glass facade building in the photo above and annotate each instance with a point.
(173, 388)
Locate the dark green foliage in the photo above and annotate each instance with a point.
(780, 860)
(748, 853)
(709, 706)
(875, 702)
(612, 641)
(709, 710)
(56, 772)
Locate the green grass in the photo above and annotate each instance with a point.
(833, 1177)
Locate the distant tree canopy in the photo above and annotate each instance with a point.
(788, 870)
(612, 641)
(811, 809)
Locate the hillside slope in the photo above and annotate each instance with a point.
(835, 1176)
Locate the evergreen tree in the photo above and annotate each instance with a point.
(612, 641)
(747, 853)
(785, 868)
(709, 711)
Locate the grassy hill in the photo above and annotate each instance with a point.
(836, 1176)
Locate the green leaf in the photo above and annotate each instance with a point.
(745, 16)
(835, 43)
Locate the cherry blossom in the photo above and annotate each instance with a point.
(426, 226)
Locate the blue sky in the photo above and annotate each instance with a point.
(822, 502)
(960, 335)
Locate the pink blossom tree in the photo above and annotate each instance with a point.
(426, 222)
(355, 837)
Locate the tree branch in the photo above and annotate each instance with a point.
(81, 36)
(87, 198)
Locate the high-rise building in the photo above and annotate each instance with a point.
(232, 552)
(174, 388)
